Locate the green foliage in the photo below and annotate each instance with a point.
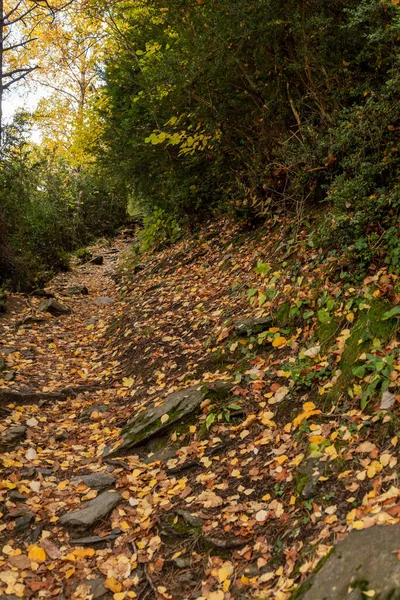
(160, 230)
(250, 106)
(83, 254)
(223, 414)
(50, 208)
(376, 370)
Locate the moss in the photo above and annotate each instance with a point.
(366, 328)
(306, 586)
(326, 332)
(282, 314)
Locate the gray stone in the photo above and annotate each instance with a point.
(104, 300)
(12, 437)
(76, 290)
(24, 522)
(96, 481)
(30, 320)
(9, 376)
(96, 539)
(97, 260)
(310, 472)
(149, 423)
(364, 561)
(86, 414)
(97, 589)
(41, 293)
(15, 496)
(94, 511)
(92, 321)
(53, 307)
(252, 326)
(182, 562)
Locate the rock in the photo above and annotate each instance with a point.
(30, 320)
(365, 560)
(15, 496)
(92, 321)
(76, 290)
(96, 539)
(9, 376)
(96, 481)
(97, 260)
(24, 522)
(44, 471)
(40, 293)
(10, 438)
(104, 300)
(54, 307)
(190, 519)
(85, 416)
(252, 326)
(182, 562)
(94, 511)
(226, 262)
(309, 474)
(152, 422)
(97, 589)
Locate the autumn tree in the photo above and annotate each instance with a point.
(22, 23)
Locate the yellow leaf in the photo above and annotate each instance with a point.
(316, 439)
(164, 418)
(127, 382)
(279, 341)
(350, 317)
(70, 572)
(113, 584)
(218, 595)
(37, 554)
(84, 552)
(358, 525)
(119, 596)
(225, 571)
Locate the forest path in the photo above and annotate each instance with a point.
(241, 500)
(47, 443)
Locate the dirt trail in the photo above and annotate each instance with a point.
(255, 489)
(61, 439)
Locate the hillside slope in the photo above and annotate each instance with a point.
(289, 442)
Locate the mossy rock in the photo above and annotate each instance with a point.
(364, 561)
(156, 421)
(368, 326)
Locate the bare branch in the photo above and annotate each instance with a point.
(12, 11)
(24, 73)
(20, 45)
(57, 89)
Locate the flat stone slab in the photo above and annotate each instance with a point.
(94, 511)
(252, 326)
(96, 481)
(76, 290)
(53, 307)
(364, 561)
(12, 437)
(152, 422)
(104, 300)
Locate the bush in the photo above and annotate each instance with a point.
(160, 230)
